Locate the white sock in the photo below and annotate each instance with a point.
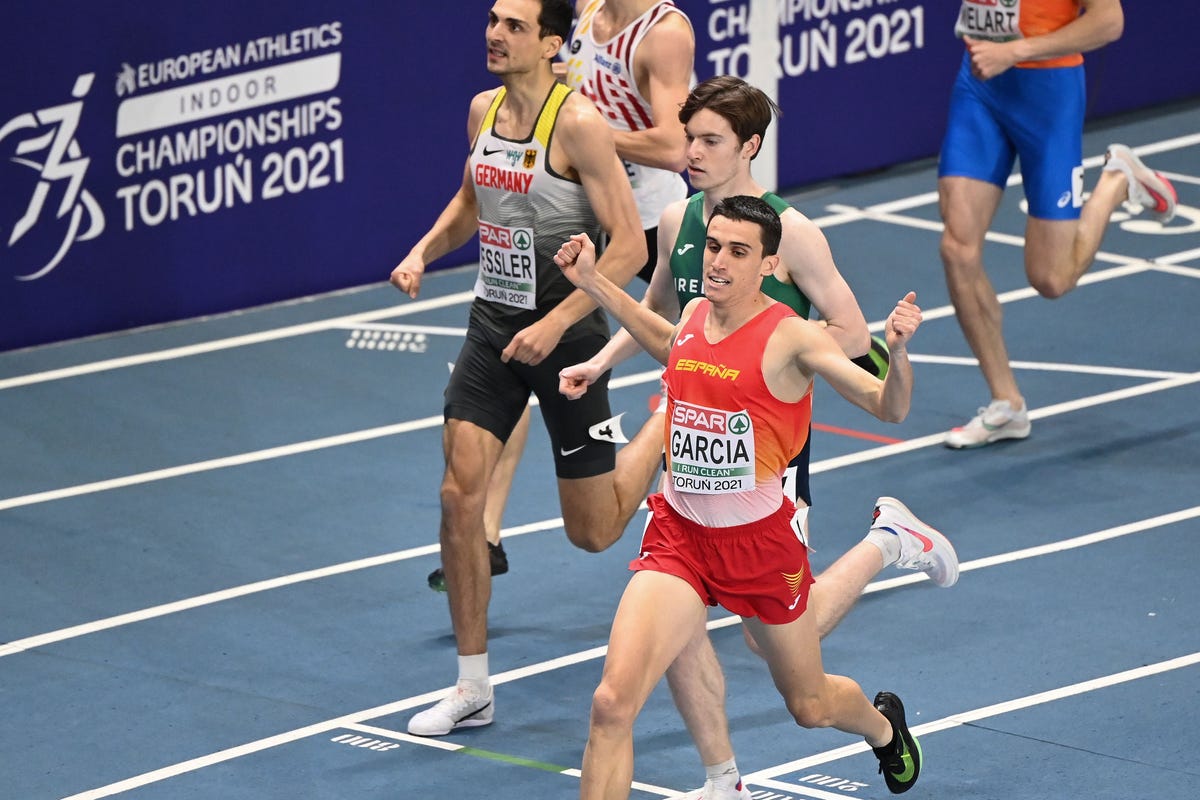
(888, 544)
(724, 775)
(473, 670)
(1119, 165)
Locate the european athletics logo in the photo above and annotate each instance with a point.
(51, 150)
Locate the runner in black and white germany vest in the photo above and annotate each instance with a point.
(526, 212)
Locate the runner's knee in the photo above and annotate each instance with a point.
(461, 499)
(610, 709)
(958, 252)
(1051, 285)
(592, 538)
(809, 711)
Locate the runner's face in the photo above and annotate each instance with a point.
(733, 259)
(713, 153)
(513, 41)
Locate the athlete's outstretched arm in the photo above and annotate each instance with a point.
(814, 352)
(457, 223)
(577, 259)
(660, 297)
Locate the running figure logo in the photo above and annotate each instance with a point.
(61, 164)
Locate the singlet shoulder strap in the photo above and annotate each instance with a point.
(545, 123)
(489, 119)
(776, 202)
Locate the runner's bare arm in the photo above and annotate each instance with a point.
(805, 254)
(1102, 22)
(457, 223)
(800, 350)
(586, 140)
(663, 70)
(577, 259)
(660, 296)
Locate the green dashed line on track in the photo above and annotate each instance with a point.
(507, 759)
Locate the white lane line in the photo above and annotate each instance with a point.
(872, 215)
(817, 467)
(235, 341)
(1179, 177)
(238, 460)
(1050, 366)
(1129, 265)
(316, 728)
(1178, 258)
(1049, 548)
(62, 634)
(1012, 556)
(505, 758)
(1186, 272)
(562, 662)
(965, 717)
(886, 450)
(255, 456)
(1163, 146)
(356, 437)
(1113, 396)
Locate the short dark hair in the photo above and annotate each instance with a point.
(555, 19)
(743, 208)
(747, 108)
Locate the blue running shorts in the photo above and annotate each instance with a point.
(1034, 114)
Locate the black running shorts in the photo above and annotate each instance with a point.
(487, 392)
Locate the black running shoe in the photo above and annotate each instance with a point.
(900, 761)
(496, 554)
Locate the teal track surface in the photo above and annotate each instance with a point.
(214, 538)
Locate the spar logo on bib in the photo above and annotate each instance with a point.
(507, 274)
(712, 450)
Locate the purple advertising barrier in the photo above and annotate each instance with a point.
(158, 164)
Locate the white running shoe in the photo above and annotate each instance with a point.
(1147, 188)
(921, 547)
(463, 707)
(711, 792)
(998, 420)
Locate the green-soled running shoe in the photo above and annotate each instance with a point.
(899, 761)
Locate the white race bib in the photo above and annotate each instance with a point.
(507, 273)
(712, 451)
(994, 20)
